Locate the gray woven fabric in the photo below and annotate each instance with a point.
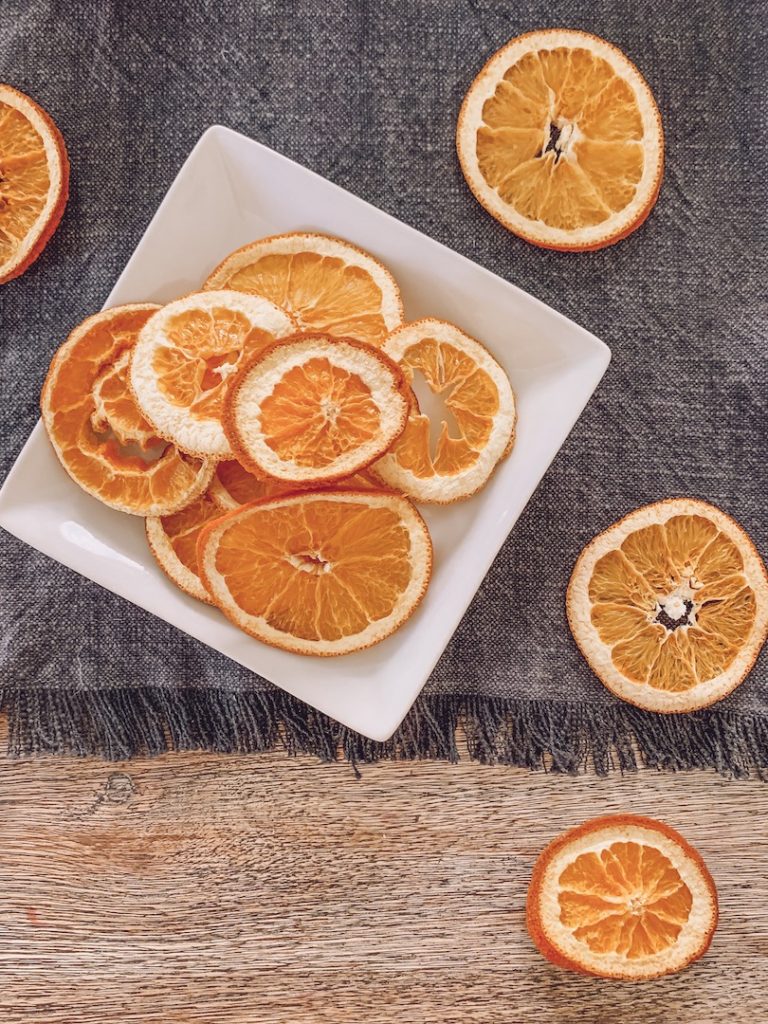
(367, 95)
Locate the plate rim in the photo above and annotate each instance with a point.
(597, 364)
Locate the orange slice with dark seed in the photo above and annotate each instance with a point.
(670, 605)
(560, 139)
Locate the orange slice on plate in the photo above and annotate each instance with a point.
(314, 409)
(34, 181)
(622, 897)
(233, 486)
(670, 605)
(453, 462)
(96, 429)
(327, 284)
(560, 139)
(186, 355)
(173, 541)
(323, 572)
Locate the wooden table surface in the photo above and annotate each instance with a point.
(245, 890)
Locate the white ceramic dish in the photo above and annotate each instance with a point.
(230, 191)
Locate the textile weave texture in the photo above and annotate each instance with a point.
(367, 95)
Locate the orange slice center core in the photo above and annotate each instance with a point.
(627, 899)
(204, 348)
(318, 411)
(673, 603)
(561, 138)
(446, 381)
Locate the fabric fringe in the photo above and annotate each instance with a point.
(556, 736)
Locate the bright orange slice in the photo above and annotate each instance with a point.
(97, 430)
(478, 402)
(315, 409)
(622, 897)
(34, 181)
(323, 572)
(670, 605)
(173, 541)
(560, 139)
(233, 486)
(186, 355)
(327, 284)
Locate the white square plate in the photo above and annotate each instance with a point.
(230, 191)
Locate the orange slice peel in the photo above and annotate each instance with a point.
(233, 486)
(173, 541)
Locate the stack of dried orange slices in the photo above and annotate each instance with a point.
(268, 430)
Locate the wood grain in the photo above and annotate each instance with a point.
(200, 889)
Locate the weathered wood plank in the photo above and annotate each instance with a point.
(263, 890)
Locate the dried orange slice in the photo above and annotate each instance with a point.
(97, 430)
(478, 402)
(186, 355)
(670, 605)
(622, 897)
(327, 284)
(34, 181)
(560, 139)
(173, 541)
(233, 486)
(319, 572)
(315, 409)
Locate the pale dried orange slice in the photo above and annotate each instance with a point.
(319, 572)
(233, 486)
(173, 541)
(560, 139)
(97, 430)
(34, 181)
(186, 355)
(327, 284)
(670, 605)
(622, 897)
(314, 409)
(477, 400)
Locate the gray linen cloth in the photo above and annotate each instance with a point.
(367, 95)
